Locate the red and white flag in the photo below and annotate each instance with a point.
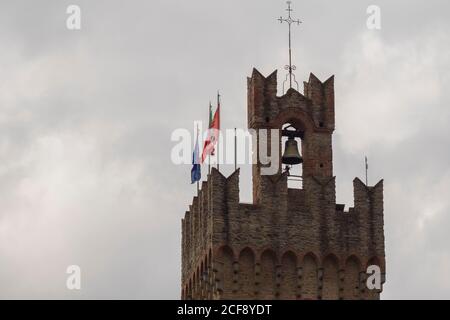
(213, 134)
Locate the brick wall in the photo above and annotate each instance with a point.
(290, 243)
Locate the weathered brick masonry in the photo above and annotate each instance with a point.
(290, 243)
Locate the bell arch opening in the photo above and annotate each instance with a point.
(291, 155)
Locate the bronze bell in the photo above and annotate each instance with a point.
(291, 154)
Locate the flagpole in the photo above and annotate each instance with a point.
(198, 184)
(367, 167)
(218, 134)
(235, 150)
(209, 130)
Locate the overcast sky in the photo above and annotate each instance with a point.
(86, 118)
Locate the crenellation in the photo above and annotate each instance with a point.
(288, 243)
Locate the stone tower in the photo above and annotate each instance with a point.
(290, 243)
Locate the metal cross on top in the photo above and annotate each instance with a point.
(289, 67)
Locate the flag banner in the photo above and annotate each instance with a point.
(196, 174)
(213, 135)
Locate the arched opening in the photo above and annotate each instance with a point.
(330, 289)
(246, 274)
(309, 277)
(291, 149)
(351, 278)
(288, 286)
(196, 291)
(202, 281)
(225, 262)
(373, 294)
(189, 291)
(268, 263)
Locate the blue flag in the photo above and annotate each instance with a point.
(196, 173)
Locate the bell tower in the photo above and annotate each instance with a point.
(311, 114)
(289, 243)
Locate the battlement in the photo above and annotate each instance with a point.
(317, 102)
(289, 243)
(299, 221)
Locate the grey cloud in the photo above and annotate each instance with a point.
(86, 118)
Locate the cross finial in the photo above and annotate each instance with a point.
(290, 67)
(289, 7)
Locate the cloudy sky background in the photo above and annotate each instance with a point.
(86, 119)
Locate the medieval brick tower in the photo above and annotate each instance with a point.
(290, 243)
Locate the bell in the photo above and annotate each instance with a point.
(291, 154)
